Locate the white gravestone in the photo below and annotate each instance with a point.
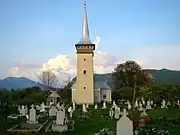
(140, 107)
(84, 108)
(95, 107)
(129, 106)
(163, 104)
(60, 117)
(124, 125)
(114, 104)
(74, 106)
(143, 101)
(148, 107)
(111, 113)
(42, 108)
(70, 110)
(23, 111)
(32, 115)
(117, 113)
(104, 105)
(52, 111)
(136, 103)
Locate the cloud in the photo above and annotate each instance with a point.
(15, 71)
(64, 66)
(27, 65)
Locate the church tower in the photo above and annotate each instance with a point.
(83, 89)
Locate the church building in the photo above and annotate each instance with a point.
(85, 89)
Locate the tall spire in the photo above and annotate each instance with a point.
(85, 39)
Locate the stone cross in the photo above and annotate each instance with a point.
(70, 110)
(32, 115)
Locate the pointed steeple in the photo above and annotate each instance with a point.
(85, 39)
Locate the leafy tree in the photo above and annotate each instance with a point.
(127, 73)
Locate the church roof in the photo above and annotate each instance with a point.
(101, 85)
(85, 39)
(53, 94)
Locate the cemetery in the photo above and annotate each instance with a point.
(114, 118)
(132, 105)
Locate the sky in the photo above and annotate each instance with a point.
(38, 35)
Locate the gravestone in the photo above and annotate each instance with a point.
(124, 125)
(32, 116)
(129, 106)
(42, 108)
(60, 117)
(136, 103)
(104, 105)
(148, 106)
(117, 113)
(74, 106)
(23, 111)
(163, 104)
(140, 107)
(70, 110)
(60, 125)
(111, 113)
(95, 107)
(84, 108)
(52, 111)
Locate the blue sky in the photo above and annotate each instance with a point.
(33, 31)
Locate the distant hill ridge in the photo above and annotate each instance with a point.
(161, 76)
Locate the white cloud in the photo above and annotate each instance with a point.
(159, 56)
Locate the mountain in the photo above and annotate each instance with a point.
(17, 83)
(164, 76)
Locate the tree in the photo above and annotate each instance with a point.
(126, 73)
(48, 78)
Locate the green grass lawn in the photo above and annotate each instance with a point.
(99, 119)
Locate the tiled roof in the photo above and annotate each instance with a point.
(101, 85)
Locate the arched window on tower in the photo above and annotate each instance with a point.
(84, 71)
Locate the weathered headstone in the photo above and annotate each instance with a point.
(124, 125)
(60, 117)
(117, 113)
(52, 111)
(32, 115)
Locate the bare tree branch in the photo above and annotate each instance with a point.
(48, 78)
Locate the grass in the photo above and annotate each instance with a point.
(99, 119)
